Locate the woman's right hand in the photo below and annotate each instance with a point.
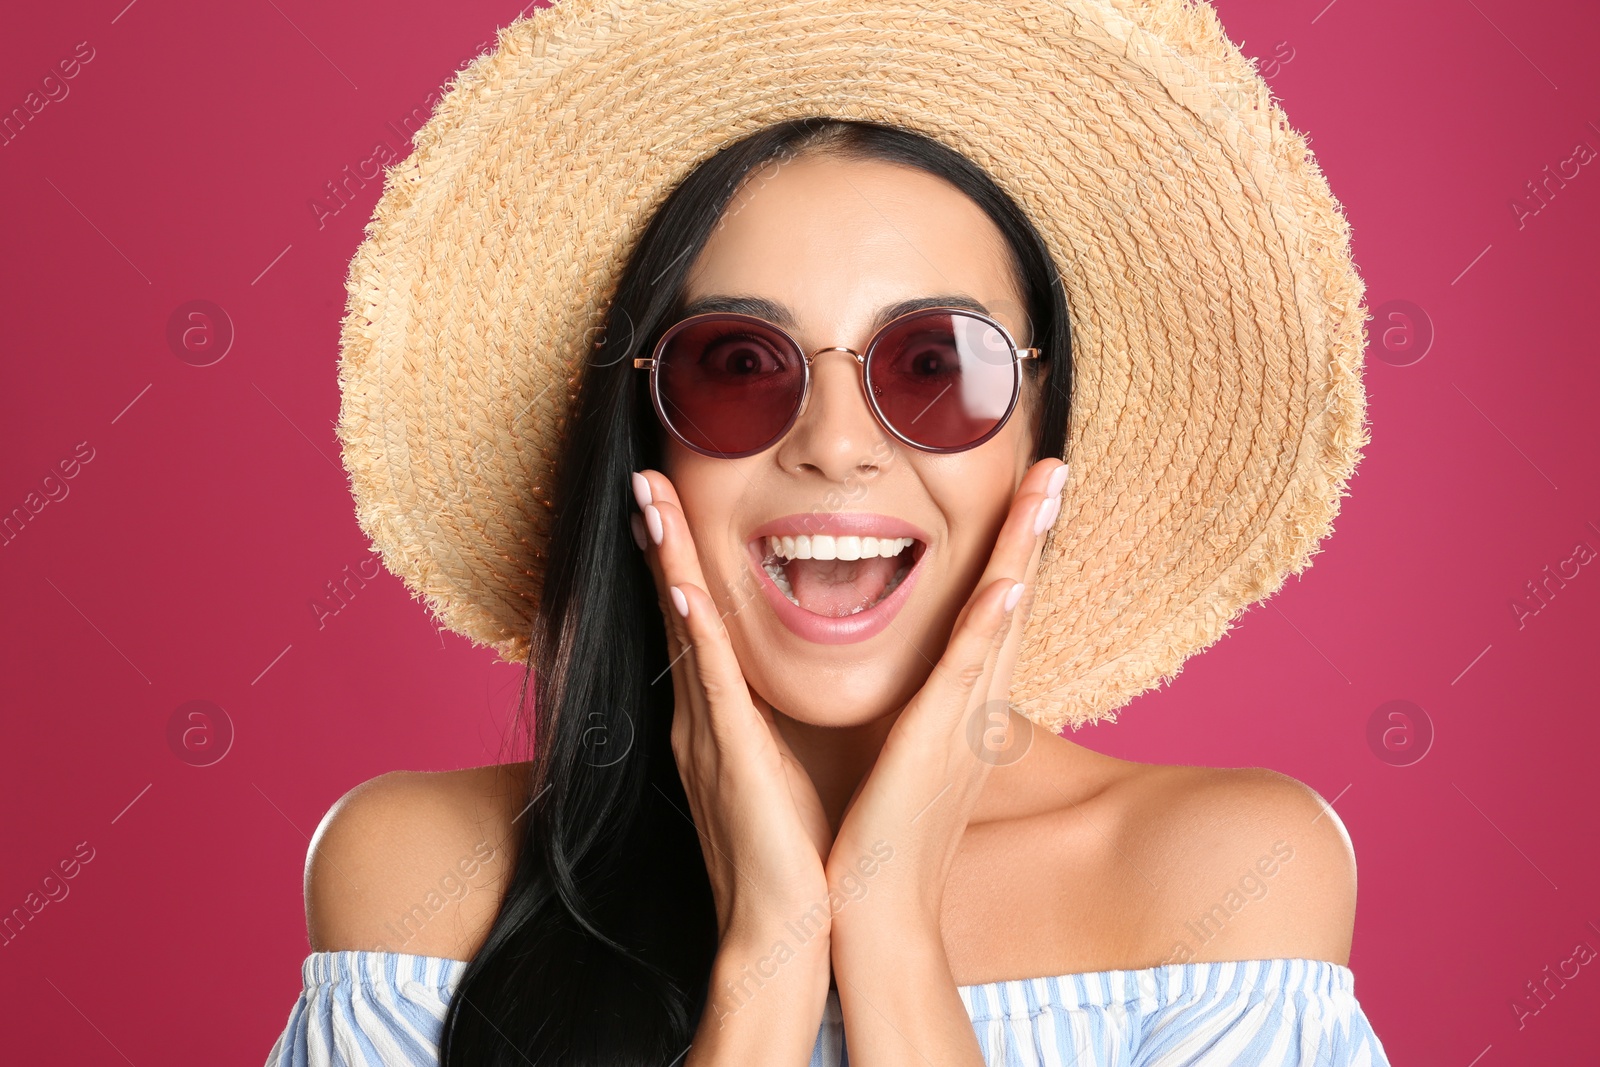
(762, 828)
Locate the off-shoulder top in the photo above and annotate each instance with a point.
(387, 1009)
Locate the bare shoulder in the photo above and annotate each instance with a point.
(414, 861)
(1251, 864)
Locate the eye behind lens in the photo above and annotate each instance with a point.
(729, 385)
(943, 380)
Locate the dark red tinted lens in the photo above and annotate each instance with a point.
(729, 385)
(942, 379)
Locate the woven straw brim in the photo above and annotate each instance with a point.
(1218, 327)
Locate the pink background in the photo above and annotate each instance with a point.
(183, 562)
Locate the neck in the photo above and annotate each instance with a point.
(838, 758)
(1053, 771)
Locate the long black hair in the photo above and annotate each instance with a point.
(602, 949)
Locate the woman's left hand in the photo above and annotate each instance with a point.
(903, 826)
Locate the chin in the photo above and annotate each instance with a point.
(816, 712)
(817, 697)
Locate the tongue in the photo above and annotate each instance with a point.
(837, 587)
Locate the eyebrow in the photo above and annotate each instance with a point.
(772, 311)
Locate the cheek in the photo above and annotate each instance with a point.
(974, 495)
(975, 490)
(1030, 412)
(733, 585)
(677, 462)
(710, 492)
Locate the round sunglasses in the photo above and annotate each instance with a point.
(939, 379)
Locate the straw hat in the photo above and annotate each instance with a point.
(1218, 322)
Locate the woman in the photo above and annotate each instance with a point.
(830, 406)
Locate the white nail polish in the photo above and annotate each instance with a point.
(1045, 515)
(641, 490)
(1058, 481)
(1013, 596)
(1055, 513)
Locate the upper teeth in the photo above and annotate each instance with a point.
(826, 546)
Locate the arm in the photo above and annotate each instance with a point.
(1261, 868)
(762, 829)
(765, 999)
(1262, 872)
(412, 862)
(899, 999)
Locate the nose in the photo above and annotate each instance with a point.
(836, 433)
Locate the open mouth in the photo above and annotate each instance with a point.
(837, 576)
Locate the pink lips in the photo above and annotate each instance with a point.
(851, 628)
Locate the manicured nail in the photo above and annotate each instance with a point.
(1058, 481)
(641, 490)
(652, 522)
(1013, 596)
(1049, 509)
(680, 602)
(636, 524)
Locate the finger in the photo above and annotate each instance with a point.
(663, 515)
(737, 591)
(729, 709)
(961, 675)
(1010, 645)
(680, 564)
(652, 562)
(977, 662)
(677, 562)
(715, 667)
(643, 490)
(1017, 550)
(1021, 536)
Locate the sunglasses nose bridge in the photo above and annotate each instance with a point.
(861, 361)
(859, 358)
(805, 396)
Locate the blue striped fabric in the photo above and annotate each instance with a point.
(386, 1009)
